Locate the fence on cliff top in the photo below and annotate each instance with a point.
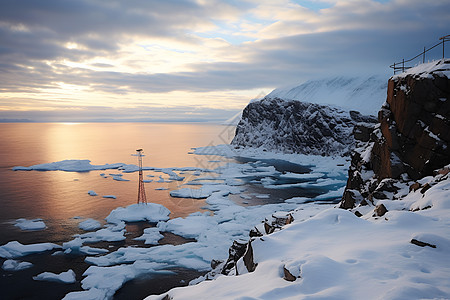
(400, 66)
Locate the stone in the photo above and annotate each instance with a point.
(414, 187)
(287, 275)
(422, 244)
(380, 210)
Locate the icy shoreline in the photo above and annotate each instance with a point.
(213, 233)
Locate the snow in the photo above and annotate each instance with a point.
(336, 255)
(64, 277)
(440, 68)
(89, 224)
(35, 224)
(15, 249)
(150, 212)
(15, 265)
(151, 236)
(345, 92)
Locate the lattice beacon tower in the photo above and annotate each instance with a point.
(141, 191)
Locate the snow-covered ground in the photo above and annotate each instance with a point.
(345, 92)
(333, 254)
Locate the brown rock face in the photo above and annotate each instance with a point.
(411, 139)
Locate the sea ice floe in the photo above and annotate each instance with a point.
(151, 236)
(92, 193)
(110, 196)
(15, 249)
(35, 224)
(150, 212)
(70, 165)
(89, 225)
(15, 265)
(64, 277)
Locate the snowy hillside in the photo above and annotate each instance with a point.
(363, 94)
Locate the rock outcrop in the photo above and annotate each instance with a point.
(298, 127)
(410, 141)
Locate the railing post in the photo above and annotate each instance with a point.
(423, 60)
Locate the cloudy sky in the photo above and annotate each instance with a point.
(197, 60)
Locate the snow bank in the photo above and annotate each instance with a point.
(64, 277)
(35, 224)
(15, 249)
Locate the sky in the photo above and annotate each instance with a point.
(193, 60)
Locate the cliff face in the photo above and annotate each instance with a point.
(297, 127)
(411, 139)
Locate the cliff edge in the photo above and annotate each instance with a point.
(410, 140)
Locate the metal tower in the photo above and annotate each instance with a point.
(141, 191)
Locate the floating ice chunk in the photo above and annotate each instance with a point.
(35, 224)
(91, 294)
(109, 279)
(147, 181)
(70, 165)
(262, 196)
(172, 174)
(104, 234)
(15, 249)
(151, 236)
(150, 212)
(110, 196)
(193, 193)
(89, 224)
(64, 277)
(92, 193)
(15, 265)
(161, 189)
(118, 177)
(302, 176)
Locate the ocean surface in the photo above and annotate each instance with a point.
(61, 198)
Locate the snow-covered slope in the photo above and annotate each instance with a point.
(363, 94)
(335, 255)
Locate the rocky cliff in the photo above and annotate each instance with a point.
(292, 126)
(410, 140)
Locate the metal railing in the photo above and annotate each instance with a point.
(401, 67)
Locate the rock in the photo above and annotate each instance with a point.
(422, 244)
(248, 258)
(414, 187)
(358, 214)
(380, 210)
(287, 275)
(410, 141)
(298, 127)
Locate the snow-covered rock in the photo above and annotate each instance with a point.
(293, 126)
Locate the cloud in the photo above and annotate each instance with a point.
(117, 50)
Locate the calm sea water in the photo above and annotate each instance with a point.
(57, 197)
